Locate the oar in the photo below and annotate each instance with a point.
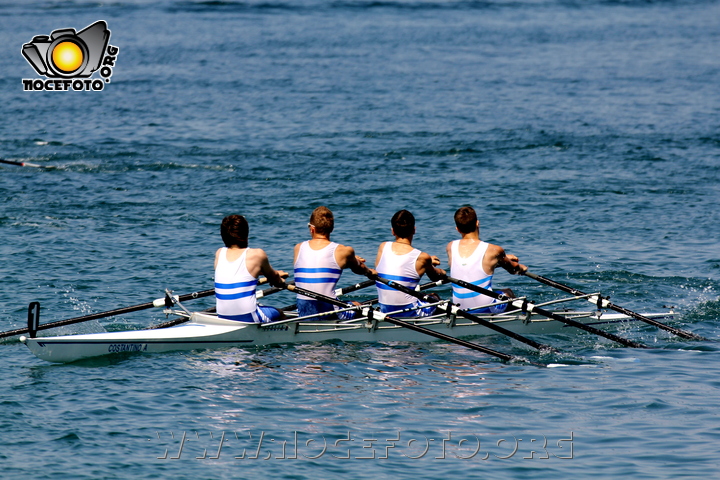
(604, 303)
(178, 321)
(373, 301)
(20, 164)
(456, 311)
(526, 306)
(161, 302)
(380, 316)
(338, 292)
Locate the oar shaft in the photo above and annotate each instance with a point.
(357, 286)
(529, 307)
(19, 164)
(84, 318)
(466, 315)
(180, 320)
(408, 325)
(604, 303)
(111, 313)
(340, 291)
(448, 338)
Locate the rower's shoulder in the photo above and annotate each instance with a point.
(344, 250)
(424, 257)
(256, 253)
(494, 250)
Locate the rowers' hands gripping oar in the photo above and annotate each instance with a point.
(526, 306)
(338, 292)
(604, 303)
(456, 311)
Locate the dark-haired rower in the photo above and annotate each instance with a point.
(237, 269)
(400, 262)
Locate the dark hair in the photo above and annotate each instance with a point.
(403, 224)
(466, 219)
(322, 219)
(234, 230)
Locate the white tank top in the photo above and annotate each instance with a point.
(235, 289)
(399, 268)
(317, 270)
(471, 270)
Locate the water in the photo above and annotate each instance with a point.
(584, 132)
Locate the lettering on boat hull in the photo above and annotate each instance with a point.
(127, 347)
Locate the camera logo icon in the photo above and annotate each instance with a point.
(67, 59)
(66, 53)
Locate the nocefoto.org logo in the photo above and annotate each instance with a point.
(67, 59)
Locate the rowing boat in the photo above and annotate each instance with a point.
(205, 330)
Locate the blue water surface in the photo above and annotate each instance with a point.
(584, 133)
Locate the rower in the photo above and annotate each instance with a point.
(475, 262)
(237, 269)
(400, 262)
(319, 263)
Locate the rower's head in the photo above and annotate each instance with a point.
(403, 224)
(466, 220)
(234, 230)
(322, 220)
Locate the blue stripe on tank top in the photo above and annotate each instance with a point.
(398, 278)
(480, 282)
(466, 295)
(236, 285)
(315, 280)
(245, 317)
(233, 296)
(318, 270)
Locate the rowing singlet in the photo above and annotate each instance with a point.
(235, 290)
(471, 270)
(400, 268)
(317, 270)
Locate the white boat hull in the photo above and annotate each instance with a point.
(205, 331)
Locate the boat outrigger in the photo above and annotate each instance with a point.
(204, 330)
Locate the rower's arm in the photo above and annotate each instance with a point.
(348, 259)
(511, 263)
(448, 250)
(426, 264)
(275, 277)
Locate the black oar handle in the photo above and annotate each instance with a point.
(410, 326)
(604, 303)
(466, 315)
(530, 307)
